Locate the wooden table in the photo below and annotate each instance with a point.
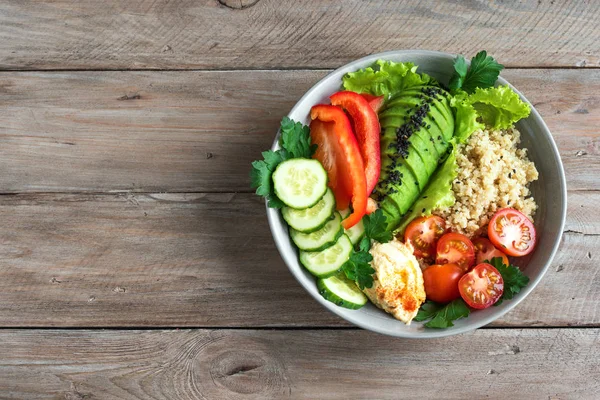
(137, 263)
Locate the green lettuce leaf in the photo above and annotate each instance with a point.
(465, 117)
(437, 194)
(499, 107)
(385, 78)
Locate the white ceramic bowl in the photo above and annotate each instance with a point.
(549, 191)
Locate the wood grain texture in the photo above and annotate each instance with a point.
(208, 34)
(200, 364)
(208, 260)
(199, 131)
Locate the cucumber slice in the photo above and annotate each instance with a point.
(357, 231)
(325, 263)
(300, 182)
(323, 238)
(342, 291)
(313, 218)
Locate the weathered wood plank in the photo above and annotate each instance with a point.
(199, 131)
(208, 260)
(239, 364)
(121, 34)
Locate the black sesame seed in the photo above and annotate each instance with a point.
(509, 175)
(423, 210)
(424, 197)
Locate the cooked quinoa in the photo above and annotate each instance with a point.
(493, 173)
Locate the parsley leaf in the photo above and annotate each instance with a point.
(460, 73)
(364, 244)
(295, 139)
(375, 227)
(442, 316)
(513, 278)
(260, 176)
(482, 73)
(358, 269)
(295, 143)
(427, 311)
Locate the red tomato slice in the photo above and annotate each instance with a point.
(455, 248)
(341, 146)
(423, 234)
(481, 287)
(367, 130)
(512, 232)
(322, 133)
(441, 282)
(485, 251)
(376, 102)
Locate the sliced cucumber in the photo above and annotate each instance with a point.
(321, 239)
(313, 218)
(357, 231)
(325, 263)
(300, 182)
(342, 291)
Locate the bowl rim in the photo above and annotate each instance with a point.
(508, 306)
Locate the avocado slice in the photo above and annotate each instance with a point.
(416, 165)
(392, 213)
(407, 189)
(413, 160)
(435, 136)
(425, 146)
(404, 176)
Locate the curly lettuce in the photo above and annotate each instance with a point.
(465, 117)
(499, 107)
(385, 78)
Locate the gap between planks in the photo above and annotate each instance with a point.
(267, 328)
(294, 68)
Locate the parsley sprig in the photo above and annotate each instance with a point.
(482, 73)
(514, 279)
(295, 143)
(441, 316)
(358, 267)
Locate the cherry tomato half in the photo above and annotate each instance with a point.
(512, 232)
(481, 287)
(441, 282)
(423, 234)
(454, 248)
(485, 251)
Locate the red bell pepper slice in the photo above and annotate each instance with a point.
(367, 130)
(338, 146)
(376, 102)
(323, 134)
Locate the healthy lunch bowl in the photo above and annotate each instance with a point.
(415, 194)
